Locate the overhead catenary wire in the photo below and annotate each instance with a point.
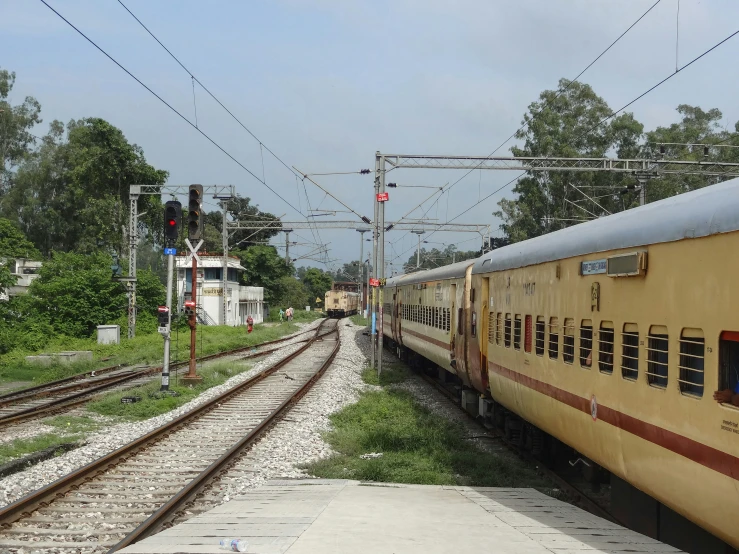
(557, 95)
(163, 101)
(613, 114)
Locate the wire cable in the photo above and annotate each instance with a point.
(163, 101)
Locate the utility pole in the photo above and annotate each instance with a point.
(361, 268)
(224, 240)
(287, 245)
(133, 237)
(194, 231)
(374, 269)
(418, 251)
(381, 258)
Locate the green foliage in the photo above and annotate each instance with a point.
(438, 258)
(16, 123)
(264, 268)
(391, 374)
(73, 424)
(14, 244)
(21, 447)
(153, 404)
(84, 171)
(416, 445)
(359, 320)
(291, 292)
(317, 282)
(239, 209)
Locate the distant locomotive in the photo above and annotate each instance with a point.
(574, 338)
(343, 300)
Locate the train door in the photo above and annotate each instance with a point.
(458, 332)
(483, 332)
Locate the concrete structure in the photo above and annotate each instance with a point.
(241, 301)
(25, 271)
(109, 334)
(61, 357)
(339, 517)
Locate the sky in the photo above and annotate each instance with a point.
(324, 84)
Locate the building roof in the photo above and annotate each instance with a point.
(707, 211)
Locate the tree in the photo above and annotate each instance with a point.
(13, 244)
(238, 209)
(74, 293)
(348, 272)
(566, 123)
(438, 258)
(317, 282)
(291, 292)
(73, 192)
(16, 122)
(264, 268)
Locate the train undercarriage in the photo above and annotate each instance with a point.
(627, 505)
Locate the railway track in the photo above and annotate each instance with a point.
(65, 394)
(138, 489)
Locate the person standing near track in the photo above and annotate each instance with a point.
(249, 324)
(282, 314)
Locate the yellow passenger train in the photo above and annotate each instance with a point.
(610, 337)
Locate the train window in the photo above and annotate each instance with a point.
(448, 320)
(630, 351)
(499, 329)
(586, 343)
(728, 360)
(553, 338)
(517, 332)
(436, 318)
(540, 335)
(605, 347)
(507, 335)
(692, 350)
(491, 328)
(473, 323)
(568, 345)
(460, 322)
(527, 335)
(657, 356)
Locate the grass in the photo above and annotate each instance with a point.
(417, 446)
(153, 404)
(73, 424)
(143, 349)
(357, 319)
(21, 447)
(391, 374)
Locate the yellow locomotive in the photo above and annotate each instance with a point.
(342, 300)
(612, 337)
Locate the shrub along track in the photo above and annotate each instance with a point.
(134, 491)
(64, 394)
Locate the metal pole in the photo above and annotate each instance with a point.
(643, 192)
(287, 247)
(418, 253)
(224, 238)
(361, 269)
(381, 260)
(133, 197)
(374, 256)
(165, 365)
(192, 376)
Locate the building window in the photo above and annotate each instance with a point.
(568, 344)
(499, 329)
(605, 347)
(692, 350)
(586, 343)
(517, 333)
(527, 334)
(630, 352)
(728, 360)
(212, 274)
(491, 328)
(233, 275)
(540, 335)
(507, 337)
(657, 356)
(553, 338)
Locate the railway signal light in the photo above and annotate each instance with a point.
(194, 215)
(172, 218)
(163, 317)
(189, 307)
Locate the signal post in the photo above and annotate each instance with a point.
(172, 218)
(194, 234)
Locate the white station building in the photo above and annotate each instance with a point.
(241, 301)
(24, 271)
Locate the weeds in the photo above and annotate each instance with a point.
(21, 447)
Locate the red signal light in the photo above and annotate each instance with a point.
(171, 222)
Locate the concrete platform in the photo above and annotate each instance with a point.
(343, 517)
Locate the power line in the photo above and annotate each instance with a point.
(613, 114)
(559, 93)
(168, 105)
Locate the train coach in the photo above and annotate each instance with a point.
(341, 303)
(612, 337)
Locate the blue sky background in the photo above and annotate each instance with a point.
(326, 83)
